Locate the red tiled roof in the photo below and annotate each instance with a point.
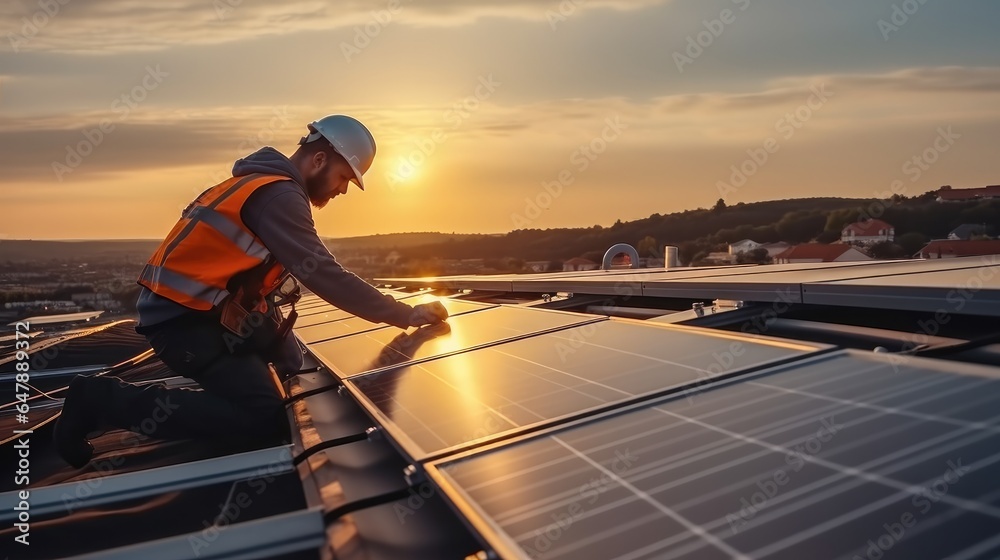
(961, 248)
(868, 227)
(969, 194)
(826, 253)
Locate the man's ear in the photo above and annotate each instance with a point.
(319, 159)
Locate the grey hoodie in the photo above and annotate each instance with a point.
(280, 215)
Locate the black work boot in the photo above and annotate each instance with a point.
(81, 415)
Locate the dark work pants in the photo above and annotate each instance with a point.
(238, 396)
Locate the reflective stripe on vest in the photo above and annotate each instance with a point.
(232, 231)
(208, 246)
(182, 284)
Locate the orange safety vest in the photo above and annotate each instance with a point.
(209, 246)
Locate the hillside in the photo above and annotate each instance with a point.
(123, 251)
(393, 241)
(138, 251)
(916, 220)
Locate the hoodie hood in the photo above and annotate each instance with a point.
(270, 161)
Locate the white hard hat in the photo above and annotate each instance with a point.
(349, 138)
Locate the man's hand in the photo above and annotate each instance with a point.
(428, 314)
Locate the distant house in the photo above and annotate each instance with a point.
(867, 232)
(947, 248)
(948, 194)
(537, 266)
(818, 252)
(742, 246)
(966, 231)
(775, 249)
(577, 264)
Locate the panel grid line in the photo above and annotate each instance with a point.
(693, 527)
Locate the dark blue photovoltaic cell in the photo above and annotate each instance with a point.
(320, 316)
(316, 306)
(817, 459)
(311, 333)
(356, 354)
(500, 389)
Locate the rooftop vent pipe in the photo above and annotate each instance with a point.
(618, 249)
(671, 257)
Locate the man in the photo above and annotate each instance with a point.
(233, 244)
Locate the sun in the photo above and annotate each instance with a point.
(406, 171)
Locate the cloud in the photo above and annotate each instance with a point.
(917, 80)
(153, 138)
(127, 26)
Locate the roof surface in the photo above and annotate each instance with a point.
(961, 247)
(821, 251)
(871, 227)
(544, 429)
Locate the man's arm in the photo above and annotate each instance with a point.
(280, 216)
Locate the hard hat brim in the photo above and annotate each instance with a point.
(357, 180)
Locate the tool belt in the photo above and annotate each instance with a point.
(253, 312)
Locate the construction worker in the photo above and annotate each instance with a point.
(211, 302)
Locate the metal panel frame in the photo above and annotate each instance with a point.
(139, 484)
(268, 537)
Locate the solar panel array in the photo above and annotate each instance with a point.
(561, 435)
(443, 404)
(842, 456)
(925, 285)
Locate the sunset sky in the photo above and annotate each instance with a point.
(480, 107)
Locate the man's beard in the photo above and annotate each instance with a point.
(313, 186)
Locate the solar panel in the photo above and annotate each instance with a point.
(604, 280)
(845, 455)
(970, 290)
(618, 282)
(322, 307)
(360, 353)
(311, 333)
(440, 405)
(314, 308)
(783, 282)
